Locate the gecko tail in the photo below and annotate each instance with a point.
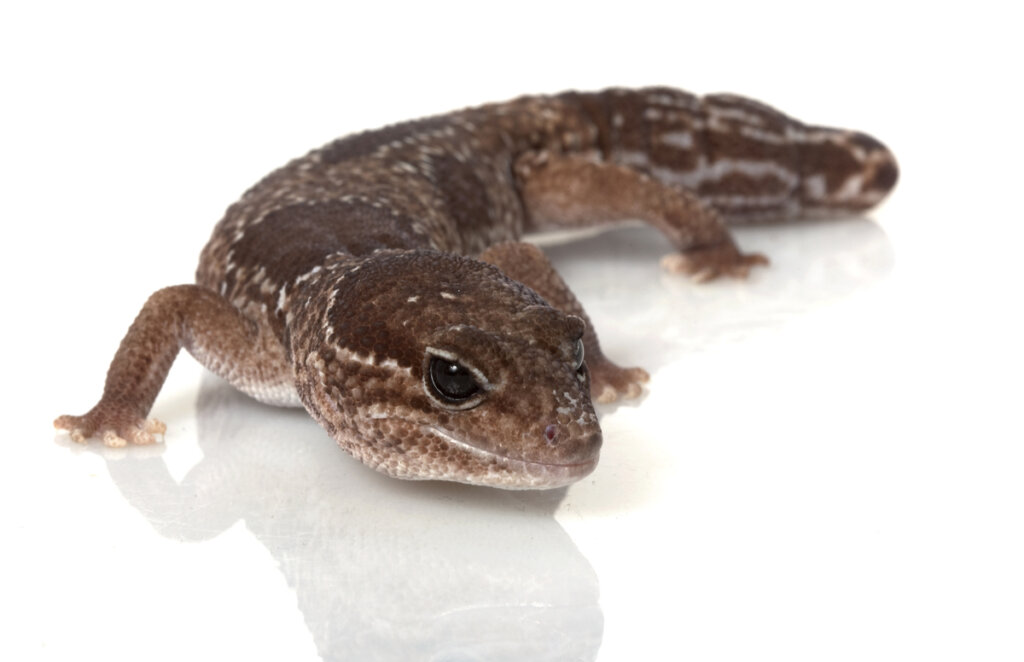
(843, 171)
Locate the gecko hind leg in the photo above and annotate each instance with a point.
(188, 316)
(527, 264)
(573, 191)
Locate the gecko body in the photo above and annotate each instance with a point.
(379, 281)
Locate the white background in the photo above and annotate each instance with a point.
(828, 465)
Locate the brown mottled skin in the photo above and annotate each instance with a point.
(379, 281)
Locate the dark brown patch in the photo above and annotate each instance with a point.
(827, 158)
(729, 145)
(292, 240)
(885, 177)
(464, 192)
(596, 109)
(744, 185)
(631, 133)
(367, 142)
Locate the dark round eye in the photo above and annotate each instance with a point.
(451, 380)
(577, 355)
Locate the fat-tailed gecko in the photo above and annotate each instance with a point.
(380, 283)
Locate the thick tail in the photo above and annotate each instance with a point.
(842, 171)
(747, 159)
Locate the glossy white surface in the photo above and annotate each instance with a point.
(827, 464)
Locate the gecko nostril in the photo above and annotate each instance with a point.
(551, 433)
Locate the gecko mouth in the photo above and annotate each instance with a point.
(514, 473)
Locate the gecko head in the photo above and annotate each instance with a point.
(843, 171)
(434, 366)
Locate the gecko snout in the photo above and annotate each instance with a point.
(571, 447)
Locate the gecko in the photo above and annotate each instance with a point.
(381, 283)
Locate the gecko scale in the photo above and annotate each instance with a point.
(380, 283)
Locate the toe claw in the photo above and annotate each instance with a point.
(607, 394)
(114, 429)
(112, 440)
(709, 263)
(154, 426)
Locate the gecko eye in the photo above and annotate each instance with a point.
(452, 382)
(577, 355)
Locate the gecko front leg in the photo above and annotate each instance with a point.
(574, 191)
(527, 264)
(212, 330)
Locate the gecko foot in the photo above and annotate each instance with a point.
(609, 382)
(114, 430)
(709, 263)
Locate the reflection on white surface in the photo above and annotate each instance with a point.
(663, 316)
(382, 569)
(393, 570)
